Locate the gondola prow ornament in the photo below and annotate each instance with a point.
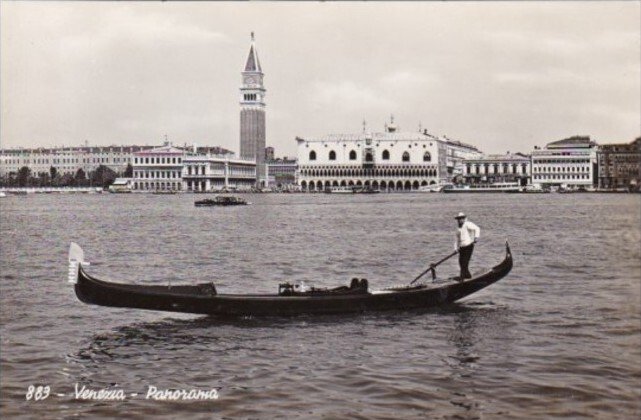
(76, 257)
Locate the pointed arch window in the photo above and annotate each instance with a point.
(427, 157)
(312, 155)
(332, 155)
(385, 154)
(406, 157)
(369, 157)
(352, 155)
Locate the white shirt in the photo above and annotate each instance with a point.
(466, 234)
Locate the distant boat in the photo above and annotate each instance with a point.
(221, 200)
(351, 190)
(433, 188)
(535, 189)
(483, 188)
(2, 194)
(339, 190)
(565, 190)
(618, 190)
(121, 185)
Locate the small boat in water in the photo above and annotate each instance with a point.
(483, 188)
(365, 190)
(351, 190)
(221, 200)
(434, 188)
(291, 299)
(535, 189)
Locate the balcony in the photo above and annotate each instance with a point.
(369, 159)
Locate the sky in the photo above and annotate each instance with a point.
(503, 76)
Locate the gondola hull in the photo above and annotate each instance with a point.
(203, 300)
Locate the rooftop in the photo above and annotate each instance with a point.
(281, 161)
(574, 141)
(78, 149)
(387, 136)
(502, 157)
(460, 144)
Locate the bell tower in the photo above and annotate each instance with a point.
(252, 114)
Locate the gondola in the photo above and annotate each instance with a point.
(204, 299)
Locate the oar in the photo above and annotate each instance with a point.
(433, 266)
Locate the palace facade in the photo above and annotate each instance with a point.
(158, 169)
(620, 165)
(282, 173)
(455, 154)
(162, 168)
(387, 161)
(68, 160)
(498, 168)
(569, 162)
(212, 172)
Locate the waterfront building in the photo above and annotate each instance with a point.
(252, 114)
(569, 162)
(388, 161)
(620, 165)
(158, 169)
(454, 155)
(67, 160)
(203, 172)
(162, 168)
(498, 168)
(281, 173)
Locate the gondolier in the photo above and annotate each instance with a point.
(466, 236)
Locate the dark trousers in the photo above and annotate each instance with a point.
(464, 256)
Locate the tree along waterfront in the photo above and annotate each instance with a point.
(103, 176)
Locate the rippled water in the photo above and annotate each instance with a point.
(559, 337)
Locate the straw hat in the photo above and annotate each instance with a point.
(461, 215)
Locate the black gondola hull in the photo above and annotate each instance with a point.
(200, 300)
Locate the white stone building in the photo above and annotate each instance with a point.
(67, 160)
(388, 161)
(498, 168)
(158, 169)
(570, 162)
(214, 172)
(456, 153)
(282, 173)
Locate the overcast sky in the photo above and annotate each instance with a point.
(502, 76)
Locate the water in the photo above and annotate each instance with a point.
(559, 337)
